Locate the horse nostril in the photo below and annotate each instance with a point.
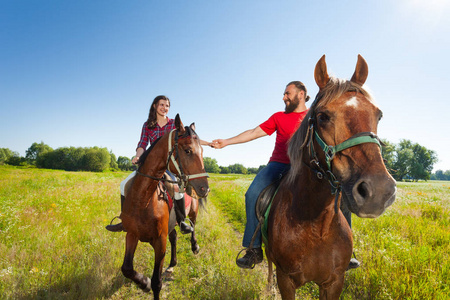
(363, 190)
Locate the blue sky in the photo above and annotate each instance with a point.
(83, 73)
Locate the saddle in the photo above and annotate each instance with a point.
(168, 197)
(263, 205)
(165, 192)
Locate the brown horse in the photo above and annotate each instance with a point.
(145, 215)
(334, 152)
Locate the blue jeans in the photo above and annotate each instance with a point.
(272, 172)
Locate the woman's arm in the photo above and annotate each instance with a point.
(139, 152)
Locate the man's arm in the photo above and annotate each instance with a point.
(244, 137)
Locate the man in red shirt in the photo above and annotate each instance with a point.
(285, 124)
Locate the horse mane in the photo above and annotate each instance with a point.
(334, 89)
(145, 154)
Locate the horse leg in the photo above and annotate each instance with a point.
(285, 285)
(127, 268)
(193, 217)
(173, 250)
(160, 252)
(270, 276)
(332, 291)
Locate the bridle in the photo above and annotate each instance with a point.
(330, 153)
(173, 156)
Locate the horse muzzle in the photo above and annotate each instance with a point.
(370, 196)
(199, 186)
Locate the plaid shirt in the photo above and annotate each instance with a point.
(151, 135)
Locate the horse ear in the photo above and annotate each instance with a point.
(178, 124)
(361, 71)
(192, 126)
(320, 73)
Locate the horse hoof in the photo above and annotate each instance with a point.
(169, 270)
(196, 249)
(148, 286)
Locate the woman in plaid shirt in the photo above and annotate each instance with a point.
(155, 127)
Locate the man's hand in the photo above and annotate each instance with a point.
(219, 144)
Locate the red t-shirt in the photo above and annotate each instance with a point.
(285, 125)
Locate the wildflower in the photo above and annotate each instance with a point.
(8, 271)
(34, 270)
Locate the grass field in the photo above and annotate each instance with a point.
(54, 245)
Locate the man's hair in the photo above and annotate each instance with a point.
(299, 85)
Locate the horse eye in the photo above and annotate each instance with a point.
(323, 118)
(188, 151)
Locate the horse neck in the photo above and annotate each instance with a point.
(311, 195)
(155, 163)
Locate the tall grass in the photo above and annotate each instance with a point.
(54, 245)
(52, 238)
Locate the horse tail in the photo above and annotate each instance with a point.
(202, 203)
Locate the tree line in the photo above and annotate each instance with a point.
(405, 161)
(409, 161)
(211, 166)
(94, 159)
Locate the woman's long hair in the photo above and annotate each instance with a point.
(151, 121)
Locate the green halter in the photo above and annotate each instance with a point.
(357, 139)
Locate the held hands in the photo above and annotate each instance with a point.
(218, 144)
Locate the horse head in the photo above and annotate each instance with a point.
(187, 159)
(338, 140)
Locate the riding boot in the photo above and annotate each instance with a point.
(180, 213)
(252, 257)
(117, 227)
(354, 263)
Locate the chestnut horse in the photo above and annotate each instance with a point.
(145, 214)
(334, 152)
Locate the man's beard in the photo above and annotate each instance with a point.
(291, 105)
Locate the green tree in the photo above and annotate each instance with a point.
(252, 170)
(74, 159)
(389, 156)
(96, 159)
(402, 164)
(113, 163)
(237, 169)
(57, 159)
(413, 161)
(225, 170)
(35, 150)
(124, 163)
(211, 165)
(440, 175)
(16, 160)
(422, 163)
(5, 154)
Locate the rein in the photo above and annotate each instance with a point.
(183, 179)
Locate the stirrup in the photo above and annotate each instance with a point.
(188, 230)
(116, 217)
(116, 227)
(251, 256)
